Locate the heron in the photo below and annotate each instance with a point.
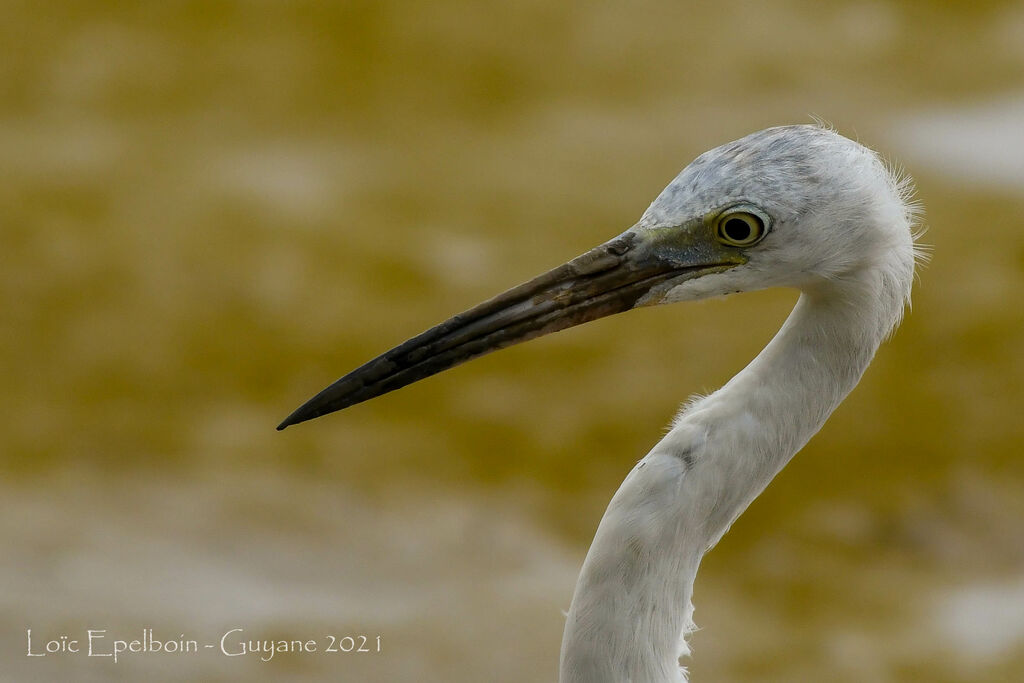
(796, 206)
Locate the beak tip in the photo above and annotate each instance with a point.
(315, 407)
(294, 418)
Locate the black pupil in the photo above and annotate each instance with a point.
(737, 229)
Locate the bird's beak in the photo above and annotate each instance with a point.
(632, 270)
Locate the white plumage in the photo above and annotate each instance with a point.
(845, 240)
(795, 206)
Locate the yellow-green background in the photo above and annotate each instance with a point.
(209, 210)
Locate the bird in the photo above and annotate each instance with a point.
(794, 206)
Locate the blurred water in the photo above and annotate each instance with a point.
(282, 561)
(209, 211)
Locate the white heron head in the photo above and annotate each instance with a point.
(794, 206)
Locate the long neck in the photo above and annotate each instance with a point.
(631, 609)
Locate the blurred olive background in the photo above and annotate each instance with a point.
(210, 210)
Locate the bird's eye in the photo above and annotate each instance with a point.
(740, 229)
